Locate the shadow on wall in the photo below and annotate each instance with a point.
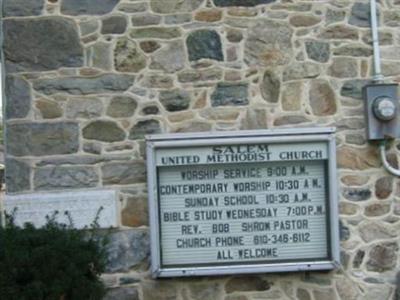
(397, 292)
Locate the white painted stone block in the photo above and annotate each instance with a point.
(82, 206)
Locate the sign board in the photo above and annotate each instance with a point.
(81, 206)
(243, 202)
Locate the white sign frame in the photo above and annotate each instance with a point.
(277, 136)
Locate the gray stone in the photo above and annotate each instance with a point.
(333, 16)
(204, 44)
(349, 122)
(141, 128)
(205, 290)
(357, 158)
(83, 108)
(246, 284)
(61, 177)
(175, 100)
(150, 110)
(87, 7)
(344, 259)
(382, 257)
(292, 96)
(390, 68)
(343, 67)
(255, 119)
(165, 33)
(354, 180)
(347, 208)
(132, 8)
(296, 71)
(292, 6)
(209, 74)
(372, 231)
(122, 107)
(353, 88)
(303, 294)
(268, 44)
(126, 293)
(353, 50)
(127, 249)
(145, 20)
(304, 20)
(128, 57)
(318, 51)
(270, 86)
(49, 109)
(92, 147)
(36, 139)
(347, 289)
(376, 210)
(230, 94)
(195, 126)
(344, 232)
(157, 81)
(356, 194)
(209, 15)
(177, 19)
(114, 25)
(106, 83)
(241, 2)
(397, 291)
(374, 280)
(373, 292)
(385, 38)
(21, 8)
(80, 160)
(236, 297)
(384, 187)
(174, 6)
(392, 18)
(123, 173)
(322, 98)
(159, 290)
(341, 32)
(18, 97)
(125, 280)
(101, 56)
(355, 139)
(41, 44)
(325, 294)
(358, 259)
(318, 279)
(234, 35)
(360, 14)
(17, 176)
(149, 46)
(290, 120)
(170, 58)
(104, 131)
(88, 27)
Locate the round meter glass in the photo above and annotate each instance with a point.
(384, 108)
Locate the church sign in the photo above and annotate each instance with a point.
(243, 202)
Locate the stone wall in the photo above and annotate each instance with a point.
(87, 79)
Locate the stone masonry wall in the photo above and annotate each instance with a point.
(87, 79)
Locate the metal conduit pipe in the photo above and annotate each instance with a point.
(386, 164)
(378, 78)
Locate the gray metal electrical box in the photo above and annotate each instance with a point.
(382, 111)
